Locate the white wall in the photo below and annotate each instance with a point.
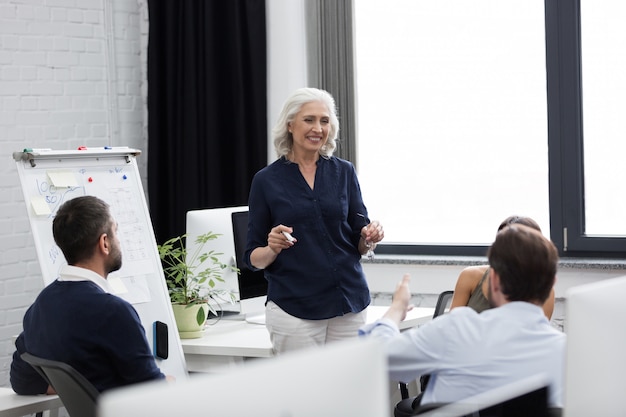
(287, 61)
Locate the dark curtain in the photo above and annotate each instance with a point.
(207, 123)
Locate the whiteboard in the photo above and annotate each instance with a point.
(50, 178)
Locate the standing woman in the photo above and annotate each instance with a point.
(308, 228)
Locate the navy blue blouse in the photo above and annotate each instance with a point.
(320, 277)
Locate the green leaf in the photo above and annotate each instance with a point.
(201, 316)
(191, 277)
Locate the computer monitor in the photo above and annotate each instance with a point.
(596, 342)
(217, 220)
(249, 287)
(252, 284)
(346, 378)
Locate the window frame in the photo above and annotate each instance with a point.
(565, 136)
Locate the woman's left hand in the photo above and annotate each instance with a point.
(373, 232)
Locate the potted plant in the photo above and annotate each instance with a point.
(191, 279)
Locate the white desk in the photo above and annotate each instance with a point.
(13, 405)
(230, 342)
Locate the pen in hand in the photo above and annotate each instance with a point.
(289, 237)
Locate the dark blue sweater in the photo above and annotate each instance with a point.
(97, 333)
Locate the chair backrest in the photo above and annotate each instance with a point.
(443, 302)
(78, 395)
(533, 403)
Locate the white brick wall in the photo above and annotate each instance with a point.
(72, 73)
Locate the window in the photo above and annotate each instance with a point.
(603, 68)
(574, 184)
(469, 111)
(464, 144)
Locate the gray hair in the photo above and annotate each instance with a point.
(283, 141)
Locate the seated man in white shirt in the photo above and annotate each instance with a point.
(467, 353)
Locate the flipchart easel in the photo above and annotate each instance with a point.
(50, 177)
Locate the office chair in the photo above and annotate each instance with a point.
(77, 394)
(533, 403)
(443, 302)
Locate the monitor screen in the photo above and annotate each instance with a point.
(251, 283)
(346, 378)
(596, 342)
(250, 287)
(218, 221)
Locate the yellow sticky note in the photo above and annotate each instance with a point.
(40, 206)
(116, 285)
(62, 179)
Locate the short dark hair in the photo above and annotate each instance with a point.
(526, 262)
(526, 221)
(78, 225)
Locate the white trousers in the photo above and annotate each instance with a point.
(290, 333)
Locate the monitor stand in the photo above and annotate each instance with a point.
(254, 309)
(226, 314)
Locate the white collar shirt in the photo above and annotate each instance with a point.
(77, 274)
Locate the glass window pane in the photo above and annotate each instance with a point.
(451, 107)
(603, 47)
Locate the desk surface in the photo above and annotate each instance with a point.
(238, 338)
(13, 405)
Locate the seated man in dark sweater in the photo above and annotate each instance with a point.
(75, 319)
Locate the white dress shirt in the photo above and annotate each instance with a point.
(467, 353)
(75, 273)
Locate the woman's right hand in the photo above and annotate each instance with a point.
(277, 240)
(262, 257)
